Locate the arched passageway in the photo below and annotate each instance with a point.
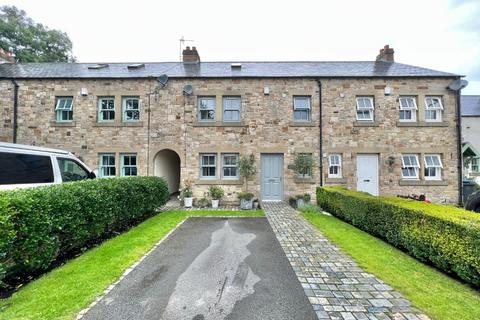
(167, 165)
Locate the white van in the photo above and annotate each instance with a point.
(23, 166)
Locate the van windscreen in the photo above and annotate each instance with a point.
(17, 168)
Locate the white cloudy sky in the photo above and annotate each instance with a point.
(438, 34)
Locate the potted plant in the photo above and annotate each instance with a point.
(216, 193)
(202, 202)
(300, 200)
(187, 194)
(247, 169)
(292, 201)
(246, 200)
(303, 165)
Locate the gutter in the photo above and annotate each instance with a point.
(320, 142)
(15, 109)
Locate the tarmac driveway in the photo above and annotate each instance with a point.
(210, 268)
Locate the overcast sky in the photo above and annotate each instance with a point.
(438, 34)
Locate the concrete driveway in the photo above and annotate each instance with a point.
(211, 268)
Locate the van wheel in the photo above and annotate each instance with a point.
(473, 202)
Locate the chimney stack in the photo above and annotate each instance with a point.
(386, 54)
(6, 57)
(190, 55)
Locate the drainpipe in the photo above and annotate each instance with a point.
(15, 109)
(459, 148)
(320, 144)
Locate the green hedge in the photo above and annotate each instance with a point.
(37, 225)
(445, 236)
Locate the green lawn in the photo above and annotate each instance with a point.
(63, 292)
(438, 295)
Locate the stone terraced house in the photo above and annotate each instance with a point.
(378, 126)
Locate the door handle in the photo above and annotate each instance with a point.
(367, 180)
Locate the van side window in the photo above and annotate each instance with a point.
(20, 168)
(71, 171)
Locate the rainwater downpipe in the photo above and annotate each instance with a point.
(15, 109)
(320, 143)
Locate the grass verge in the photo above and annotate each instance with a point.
(430, 290)
(63, 292)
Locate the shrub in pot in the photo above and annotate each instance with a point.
(202, 203)
(292, 201)
(246, 200)
(216, 193)
(300, 200)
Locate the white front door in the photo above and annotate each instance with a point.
(367, 173)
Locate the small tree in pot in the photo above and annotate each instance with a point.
(247, 169)
(303, 165)
(187, 194)
(216, 193)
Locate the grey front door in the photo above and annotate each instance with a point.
(272, 177)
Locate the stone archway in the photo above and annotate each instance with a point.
(167, 165)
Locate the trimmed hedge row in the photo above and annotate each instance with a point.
(445, 236)
(37, 225)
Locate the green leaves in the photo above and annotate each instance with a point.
(30, 41)
(445, 236)
(40, 224)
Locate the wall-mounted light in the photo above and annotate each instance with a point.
(84, 92)
(266, 90)
(388, 90)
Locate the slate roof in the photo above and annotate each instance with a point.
(365, 69)
(470, 106)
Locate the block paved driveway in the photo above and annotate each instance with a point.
(335, 285)
(210, 268)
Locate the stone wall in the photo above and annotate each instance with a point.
(266, 127)
(389, 138)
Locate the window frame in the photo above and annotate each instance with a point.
(371, 110)
(438, 110)
(237, 176)
(101, 165)
(208, 166)
(308, 109)
(415, 167)
(476, 164)
(125, 110)
(123, 166)
(413, 109)
(100, 110)
(199, 112)
(339, 165)
(438, 168)
(224, 108)
(59, 111)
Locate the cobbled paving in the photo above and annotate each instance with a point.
(335, 285)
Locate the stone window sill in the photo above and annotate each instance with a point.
(421, 124)
(366, 124)
(422, 183)
(219, 124)
(304, 180)
(301, 124)
(120, 124)
(336, 180)
(218, 181)
(62, 124)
